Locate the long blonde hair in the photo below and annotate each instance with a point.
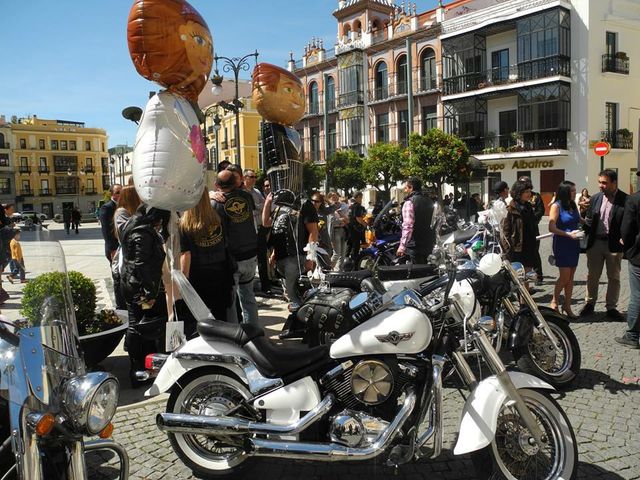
(196, 221)
(129, 199)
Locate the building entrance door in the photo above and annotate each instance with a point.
(549, 181)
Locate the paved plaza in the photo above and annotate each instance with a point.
(602, 405)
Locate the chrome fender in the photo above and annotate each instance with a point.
(480, 412)
(198, 353)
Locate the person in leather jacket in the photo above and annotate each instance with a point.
(142, 287)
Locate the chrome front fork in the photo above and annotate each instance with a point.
(498, 368)
(432, 406)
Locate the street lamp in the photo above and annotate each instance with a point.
(235, 65)
(70, 174)
(216, 128)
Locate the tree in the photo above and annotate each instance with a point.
(439, 158)
(312, 175)
(384, 166)
(344, 171)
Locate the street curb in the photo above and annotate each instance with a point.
(162, 398)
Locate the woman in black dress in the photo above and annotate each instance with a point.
(518, 238)
(205, 262)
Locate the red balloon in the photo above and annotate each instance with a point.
(170, 44)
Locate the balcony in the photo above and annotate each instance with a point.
(622, 138)
(224, 144)
(517, 142)
(43, 169)
(24, 169)
(89, 169)
(45, 192)
(67, 190)
(233, 143)
(5, 145)
(521, 72)
(428, 83)
(26, 192)
(351, 99)
(90, 191)
(617, 63)
(5, 191)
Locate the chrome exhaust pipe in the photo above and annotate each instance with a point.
(207, 425)
(333, 452)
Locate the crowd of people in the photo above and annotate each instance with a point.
(605, 226)
(238, 229)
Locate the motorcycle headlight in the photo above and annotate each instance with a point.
(519, 268)
(90, 401)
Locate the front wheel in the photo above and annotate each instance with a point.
(209, 393)
(539, 357)
(514, 455)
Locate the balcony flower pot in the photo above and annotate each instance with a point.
(622, 56)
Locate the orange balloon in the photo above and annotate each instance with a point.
(277, 94)
(170, 44)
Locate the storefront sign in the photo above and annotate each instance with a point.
(521, 165)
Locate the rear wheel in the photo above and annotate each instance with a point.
(514, 455)
(212, 394)
(540, 358)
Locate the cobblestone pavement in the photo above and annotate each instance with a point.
(602, 407)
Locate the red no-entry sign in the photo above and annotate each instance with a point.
(602, 148)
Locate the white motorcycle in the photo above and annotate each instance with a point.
(377, 390)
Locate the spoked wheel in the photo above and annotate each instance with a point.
(209, 394)
(540, 358)
(514, 454)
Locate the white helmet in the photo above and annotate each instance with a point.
(490, 264)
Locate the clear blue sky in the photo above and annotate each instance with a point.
(68, 59)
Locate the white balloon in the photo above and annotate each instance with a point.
(169, 157)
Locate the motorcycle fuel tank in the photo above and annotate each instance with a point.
(400, 331)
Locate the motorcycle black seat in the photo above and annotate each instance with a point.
(273, 361)
(347, 279)
(405, 272)
(460, 236)
(239, 334)
(277, 361)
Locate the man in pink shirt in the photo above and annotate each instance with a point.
(602, 224)
(418, 238)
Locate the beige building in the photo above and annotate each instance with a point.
(58, 164)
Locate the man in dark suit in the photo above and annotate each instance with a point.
(630, 231)
(602, 224)
(111, 243)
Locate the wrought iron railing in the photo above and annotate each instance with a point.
(517, 142)
(618, 139)
(615, 63)
(351, 98)
(24, 169)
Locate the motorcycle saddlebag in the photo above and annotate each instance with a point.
(326, 315)
(405, 272)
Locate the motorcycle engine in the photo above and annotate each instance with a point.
(371, 385)
(355, 429)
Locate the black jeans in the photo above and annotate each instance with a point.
(146, 331)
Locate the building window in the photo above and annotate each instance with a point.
(87, 145)
(463, 62)
(507, 125)
(331, 140)
(24, 161)
(331, 94)
(382, 128)
(353, 134)
(351, 87)
(43, 164)
(500, 66)
(611, 117)
(23, 143)
(26, 187)
(5, 185)
(429, 118)
(44, 187)
(467, 119)
(612, 43)
(72, 145)
(4, 159)
(63, 164)
(41, 144)
(63, 145)
(401, 75)
(544, 45)
(545, 107)
(314, 107)
(381, 81)
(428, 79)
(403, 127)
(54, 145)
(314, 143)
